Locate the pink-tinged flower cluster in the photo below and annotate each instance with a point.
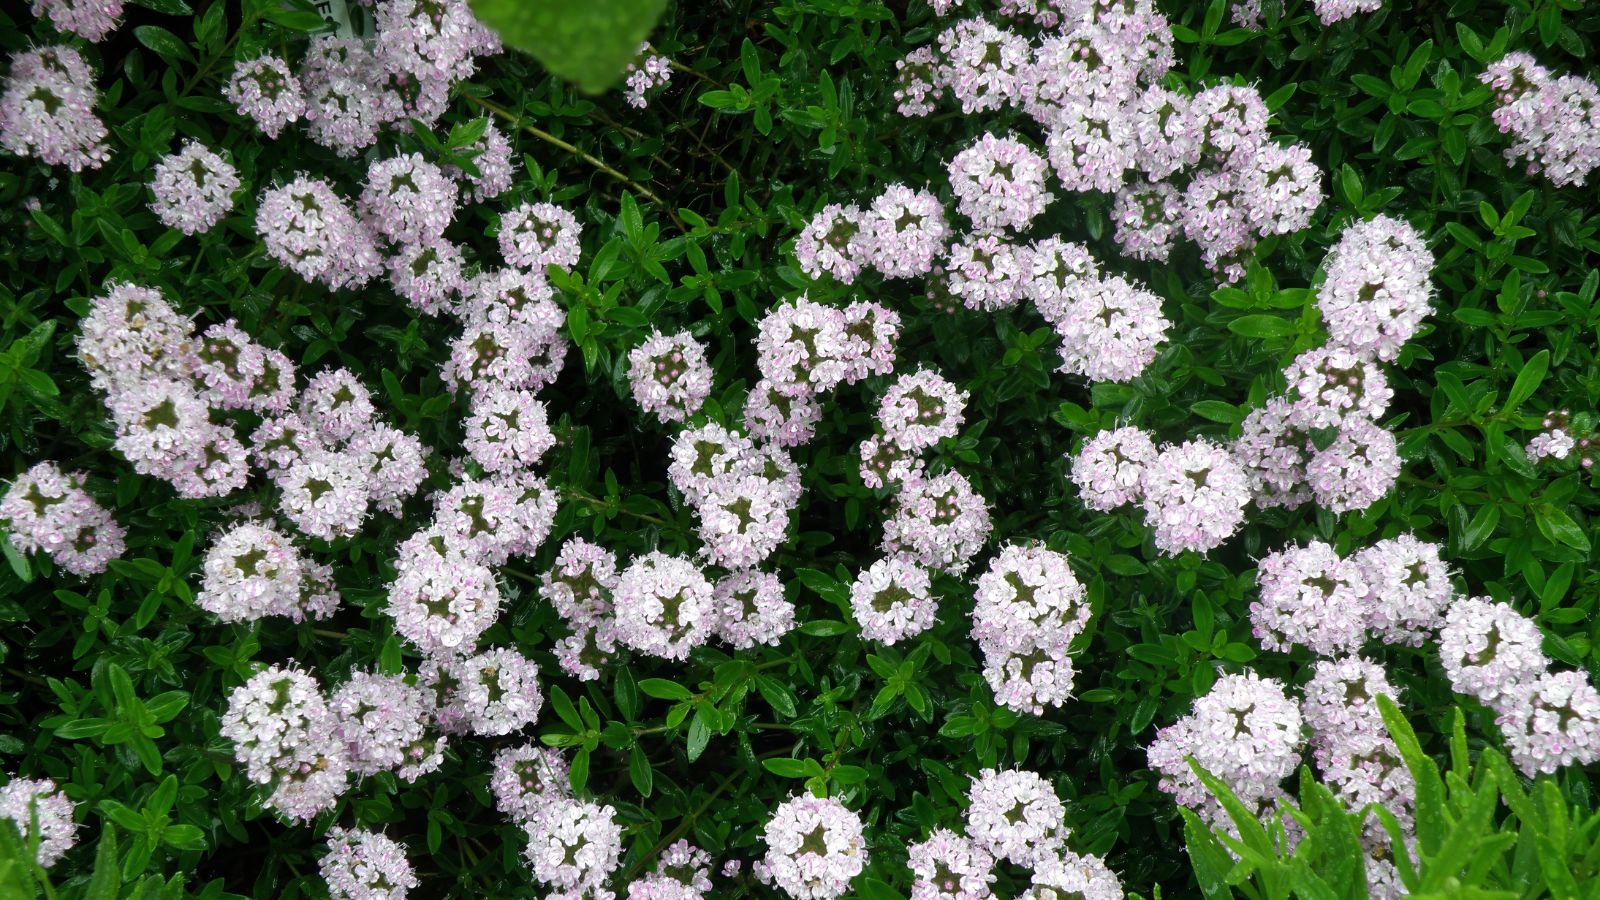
(511, 334)
(1553, 120)
(834, 243)
(1378, 287)
(253, 570)
(779, 418)
(1110, 328)
(47, 109)
(365, 865)
(948, 866)
(1016, 816)
(999, 183)
(1410, 587)
(1204, 165)
(1245, 731)
(1331, 11)
(744, 518)
(939, 522)
(407, 199)
(892, 600)
(349, 97)
(802, 347)
(47, 511)
(1489, 650)
(985, 272)
(920, 409)
(507, 431)
(1027, 609)
(1074, 875)
(1549, 719)
(310, 229)
(1109, 469)
(669, 375)
(907, 231)
(752, 609)
(1551, 723)
(815, 848)
(287, 738)
(579, 586)
(664, 606)
(1340, 707)
(31, 803)
(526, 779)
(1193, 496)
(493, 519)
(682, 872)
(193, 189)
(382, 721)
(537, 235)
(1559, 439)
(1311, 598)
(1332, 384)
(574, 846)
(266, 90)
(442, 599)
(646, 73)
(91, 20)
(499, 690)
(1273, 453)
(491, 156)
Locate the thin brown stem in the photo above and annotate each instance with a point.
(547, 137)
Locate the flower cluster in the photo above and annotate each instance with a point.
(669, 375)
(646, 73)
(1558, 439)
(1245, 731)
(254, 570)
(91, 20)
(1028, 608)
(1193, 496)
(574, 846)
(1377, 290)
(382, 722)
(1013, 816)
(892, 600)
(286, 737)
(1358, 759)
(193, 188)
(1552, 120)
(349, 89)
(365, 865)
(47, 109)
(682, 873)
(1493, 653)
(526, 780)
(815, 848)
(26, 801)
(1204, 165)
(1397, 589)
(45, 510)
(939, 522)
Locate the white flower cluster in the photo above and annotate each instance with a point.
(1028, 608)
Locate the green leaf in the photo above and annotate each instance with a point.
(826, 628)
(1529, 379)
(163, 42)
(786, 768)
(662, 689)
(107, 877)
(1555, 524)
(1262, 326)
(640, 773)
(590, 42)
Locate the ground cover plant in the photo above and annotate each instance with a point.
(812, 448)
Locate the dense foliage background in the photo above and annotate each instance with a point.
(690, 208)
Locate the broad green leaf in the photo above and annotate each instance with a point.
(589, 42)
